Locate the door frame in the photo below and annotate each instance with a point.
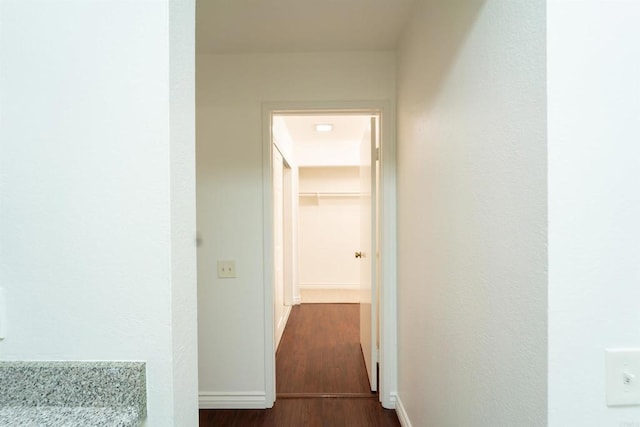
(387, 357)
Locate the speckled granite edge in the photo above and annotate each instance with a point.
(115, 385)
(61, 416)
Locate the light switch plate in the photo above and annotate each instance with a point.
(623, 376)
(226, 269)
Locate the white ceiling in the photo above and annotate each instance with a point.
(241, 26)
(341, 146)
(346, 127)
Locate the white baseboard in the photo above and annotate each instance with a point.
(297, 300)
(402, 413)
(282, 323)
(354, 286)
(285, 317)
(232, 400)
(329, 293)
(389, 403)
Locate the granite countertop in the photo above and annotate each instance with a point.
(61, 416)
(71, 393)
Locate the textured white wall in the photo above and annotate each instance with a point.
(88, 226)
(182, 181)
(472, 285)
(231, 90)
(594, 203)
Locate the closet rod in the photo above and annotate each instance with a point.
(331, 194)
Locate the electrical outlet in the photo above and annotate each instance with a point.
(623, 376)
(226, 269)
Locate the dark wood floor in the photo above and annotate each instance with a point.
(319, 356)
(326, 412)
(320, 351)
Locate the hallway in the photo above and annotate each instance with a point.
(320, 352)
(321, 377)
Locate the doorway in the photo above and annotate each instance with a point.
(336, 216)
(306, 172)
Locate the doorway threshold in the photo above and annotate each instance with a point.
(326, 395)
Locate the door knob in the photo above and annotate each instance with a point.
(358, 254)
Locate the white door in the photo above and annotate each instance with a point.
(278, 246)
(367, 254)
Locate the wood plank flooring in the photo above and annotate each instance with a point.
(321, 379)
(320, 351)
(340, 412)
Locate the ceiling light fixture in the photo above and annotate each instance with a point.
(324, 127)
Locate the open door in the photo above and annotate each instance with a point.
(367, 253)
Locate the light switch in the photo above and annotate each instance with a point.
(226, 269)
(623, 376)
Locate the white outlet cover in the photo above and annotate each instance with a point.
(623, 376)
(226, 269)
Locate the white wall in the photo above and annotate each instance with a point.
(96, 249)
(472, 285)
(329, 234)
(184, 295)
(594, 203)
(231, 90)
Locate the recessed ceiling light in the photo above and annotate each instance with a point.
(324, 127)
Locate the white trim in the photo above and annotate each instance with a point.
(330, 293)
(387, 261)
(232, 400)
(345, 286)
(291, 202)
(330, 296)
(297, 300)
(282, 323)
(285, 318)
(268, 264)
(290, 228)
(388, 324)
(402, 413)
